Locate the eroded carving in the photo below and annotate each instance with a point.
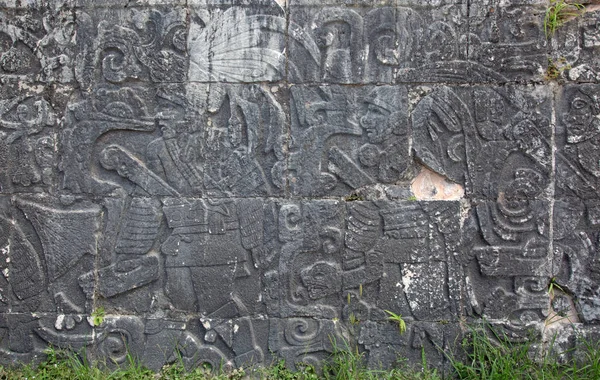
(366, 141)
(236, 46)
(27, 143)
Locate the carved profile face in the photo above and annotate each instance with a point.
(325, 36)
(382, 117)
(113, 158)
(375, 124)
(582, 120)
(321, 279)
(334, 34)
(22, 112)
(168, 131)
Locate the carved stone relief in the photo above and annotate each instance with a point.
(232, 181)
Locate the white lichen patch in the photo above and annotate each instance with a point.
(60, 320)
(38, 89)
(407, 276)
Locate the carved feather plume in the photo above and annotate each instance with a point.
(236, 46)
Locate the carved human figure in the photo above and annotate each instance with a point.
(127, 166)
(242, 170)
(334, 40)
(321, 280)
(204, 255)
(387, 129)
(583, 127)
(56, 63)
(232, 167)
(385, 156)
(27, 121)
(45, 156)
(175, 156)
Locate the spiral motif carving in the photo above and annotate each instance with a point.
(301, 331)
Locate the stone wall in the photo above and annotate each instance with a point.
(236, 181)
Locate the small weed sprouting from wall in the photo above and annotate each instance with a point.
(98, 316)
(397, 318)
(556, 67)
(559, 12)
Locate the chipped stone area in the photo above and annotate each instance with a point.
(429, 185)
(561, 316)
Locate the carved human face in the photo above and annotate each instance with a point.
(22, 112)
(168, 131)
(321, 280)
(580, 119)
(325, 36)
(374, 122)
(123, 167)
(114, 159)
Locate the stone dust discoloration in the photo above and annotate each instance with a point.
(429, 185)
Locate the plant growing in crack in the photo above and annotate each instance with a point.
(354, 197)
(558, 13)
(554, 285)
(98, 316)
(397, 318)
(556, 68)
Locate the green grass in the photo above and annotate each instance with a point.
(498, 358)
(558, 12)
(60, 364)
(348, 363)
(481, 356)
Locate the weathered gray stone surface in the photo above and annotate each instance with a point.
(245, 180)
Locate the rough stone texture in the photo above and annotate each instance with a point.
(235, 181)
